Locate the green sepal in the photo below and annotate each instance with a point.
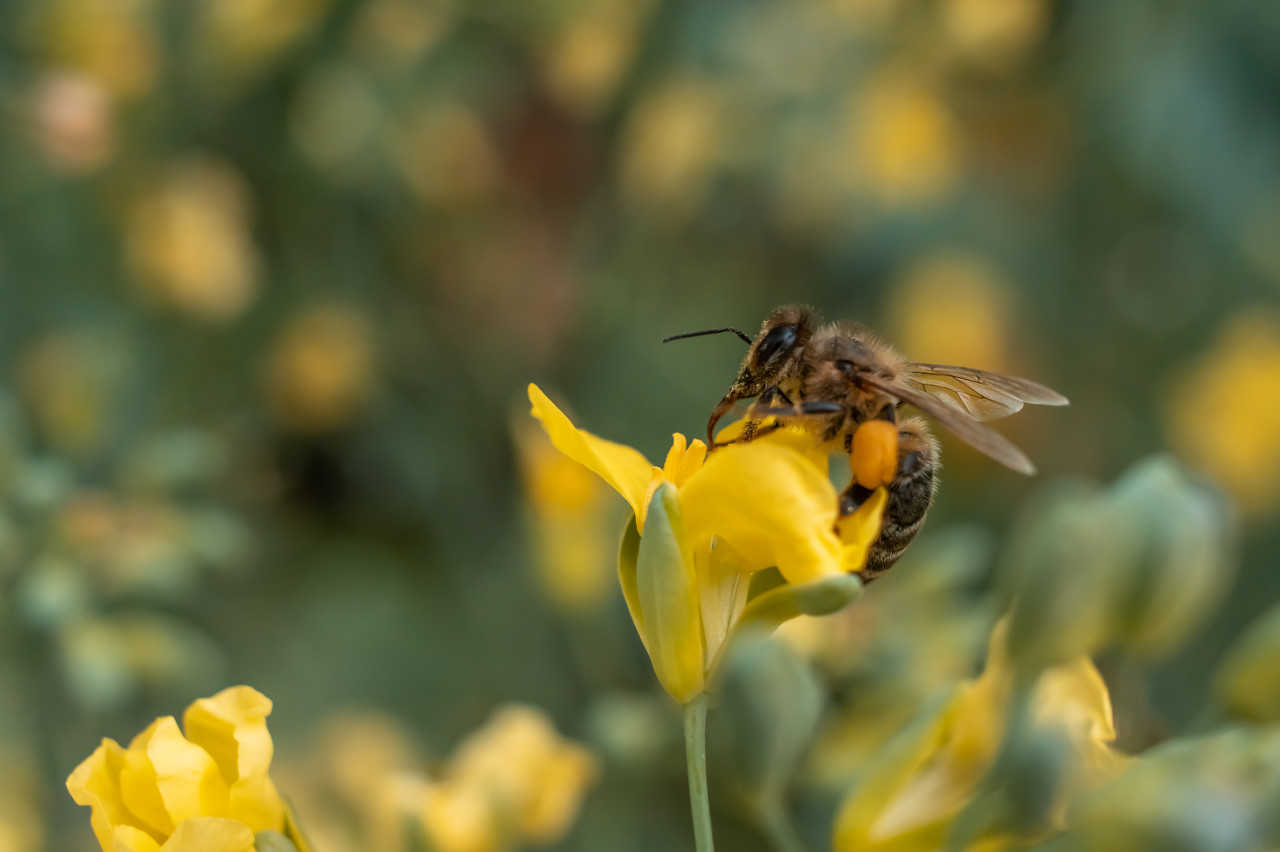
(667, 591)
(764, 581)
(628, 558)
(273, 841)
(1247, 684)
(770, 609)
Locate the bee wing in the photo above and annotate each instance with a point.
(981, 395)
(982, 438)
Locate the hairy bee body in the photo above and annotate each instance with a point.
(833, 378)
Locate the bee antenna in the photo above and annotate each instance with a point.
(708, 331)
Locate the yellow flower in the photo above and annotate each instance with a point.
(513, 782)
(1222, 421)
(207, 791)
(671, 146)
(188, 243)
(904, 141)
(909, 799)
(693, 563)
(320, 374)
(994, 36)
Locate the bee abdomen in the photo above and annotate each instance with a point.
(889, 547)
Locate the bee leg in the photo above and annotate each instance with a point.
(910, 495)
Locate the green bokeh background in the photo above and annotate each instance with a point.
(486, 208)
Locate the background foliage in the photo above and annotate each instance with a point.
(274, 274)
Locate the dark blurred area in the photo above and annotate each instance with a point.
(274, 275)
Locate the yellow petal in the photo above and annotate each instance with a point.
(210, 834)
(232, 727)
(683, 460)
(668, 590)
(139, 784)
(185, 775)
(861, 529)
(622, 467)
(126, 838)
(859, 824)
(770, 504)
(722, 592)
(1074, 695)
(96, 783)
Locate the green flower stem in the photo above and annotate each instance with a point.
(778, 827)
(695, 745)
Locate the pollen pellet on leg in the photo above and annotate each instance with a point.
(874, 459)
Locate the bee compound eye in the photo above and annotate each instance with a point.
(777, 342)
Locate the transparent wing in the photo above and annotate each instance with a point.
(984, 439)
(981, 395)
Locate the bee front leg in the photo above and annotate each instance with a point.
(910, 495)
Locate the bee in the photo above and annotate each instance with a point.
(831, 378)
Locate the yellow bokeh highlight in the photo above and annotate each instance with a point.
(188, 244)
(238, 39)
(446, 154)
(903, 141)
(585, 58)
(994, 34)
(109, 41)
(574, 545)
(319, 375)
(671, 144)
(512, 783)
(951, 307)
(1223, 415)
(396, 33)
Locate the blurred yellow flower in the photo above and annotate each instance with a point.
(904, 142)
(670, 145)
(21, 827)
(1222, 416)
(908, 800)
(568, 522)
(397, 33)
(207, 791)
(720, 520)
(951, 307)
(109, 41)
(238, 39)
(446, 154)
(994, 35)
(513, 782)
(320, 372)
(188, 244)
(584, 59)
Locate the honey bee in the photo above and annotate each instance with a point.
(832, 378)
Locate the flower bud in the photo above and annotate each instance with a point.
(772, 703)
(1248, 681)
